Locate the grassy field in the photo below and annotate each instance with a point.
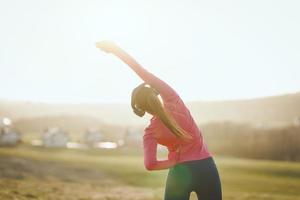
(38, 173)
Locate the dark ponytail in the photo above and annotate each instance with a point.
(145, 99)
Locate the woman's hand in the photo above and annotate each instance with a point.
(107, 46)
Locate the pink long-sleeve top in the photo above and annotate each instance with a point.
(158, 133)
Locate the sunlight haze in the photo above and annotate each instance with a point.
(206, 50)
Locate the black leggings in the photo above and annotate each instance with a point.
(200, 176)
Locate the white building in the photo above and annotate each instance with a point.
(92, 137)
(133, 137)
(8, 136)
(55, 137)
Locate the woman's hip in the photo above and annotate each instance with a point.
(196, 170)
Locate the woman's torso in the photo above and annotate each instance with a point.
(194, 149)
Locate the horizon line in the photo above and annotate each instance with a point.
(123, 102)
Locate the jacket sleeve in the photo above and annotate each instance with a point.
(166, 92)
(150, 150)
(150, 155)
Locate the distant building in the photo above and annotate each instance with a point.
(92, 137)
(133, 137)
(8, 136)
(55, 137)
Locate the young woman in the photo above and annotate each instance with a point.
(192, 167)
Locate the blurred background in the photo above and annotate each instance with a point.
(66, 126)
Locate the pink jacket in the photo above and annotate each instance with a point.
(158, 133)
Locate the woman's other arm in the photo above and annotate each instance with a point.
(150, 158)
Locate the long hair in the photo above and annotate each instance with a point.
(146, 99)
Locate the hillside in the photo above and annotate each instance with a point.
(269, 110)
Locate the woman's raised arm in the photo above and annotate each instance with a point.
(165, 90)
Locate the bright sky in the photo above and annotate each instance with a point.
(206, 50)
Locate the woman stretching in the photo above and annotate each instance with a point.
(192, 167)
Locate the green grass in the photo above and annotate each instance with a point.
(39, 173)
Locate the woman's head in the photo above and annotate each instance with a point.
(145, 98)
